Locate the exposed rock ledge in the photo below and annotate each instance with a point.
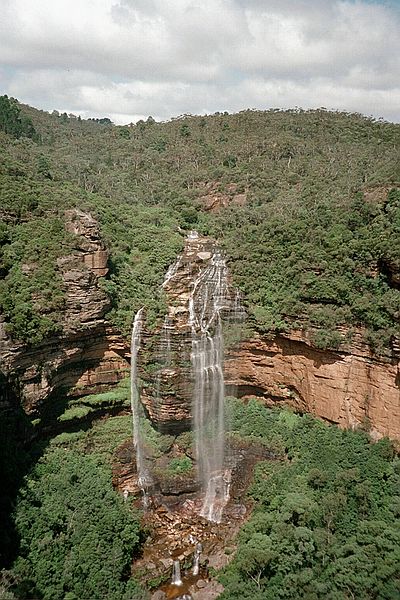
(88, 355)
(352, 388)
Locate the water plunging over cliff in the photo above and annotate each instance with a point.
(209, 298)
(188, 388)
(144, 479)
(202, 302)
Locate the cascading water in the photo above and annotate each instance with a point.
(210, 299)
(201, 304)
(196, 559)
(144, 479)
(176, 573)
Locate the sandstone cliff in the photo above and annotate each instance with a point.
(89, 354)
(167, 396)
(351, 388)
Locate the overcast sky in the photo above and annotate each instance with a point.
(128, 59)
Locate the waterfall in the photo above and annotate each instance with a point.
(165, 345)
(196, 560)
(202, 305)
(176, 573)
(144, 479)
(209, 299)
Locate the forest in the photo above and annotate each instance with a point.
(306, 208)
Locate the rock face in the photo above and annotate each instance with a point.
(351, 388)
(88, 355)
(212, 200)
(168, 394)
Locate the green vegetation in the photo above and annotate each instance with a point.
(155, 441)
(101, 440)
(13, 122)
(179, 465)
(311, 229)
(327, 266)
(314, 243)
(77, 537)
(325, 523)
(96, 404)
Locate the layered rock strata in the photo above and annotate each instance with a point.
(168, 394)
(352, 388)
(89, 355)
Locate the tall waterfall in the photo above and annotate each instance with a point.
(202, 305)
(209, 299)
(144, 478)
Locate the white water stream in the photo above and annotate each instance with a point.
(210, 300)
(144, 478)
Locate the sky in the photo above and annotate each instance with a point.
(128, 59)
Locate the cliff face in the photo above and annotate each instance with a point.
(168, 395)
(200, 297)
(351, 388)
(88, 355)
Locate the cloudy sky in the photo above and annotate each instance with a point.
(128, 59)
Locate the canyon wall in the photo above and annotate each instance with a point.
(88, 355)
(352, 388)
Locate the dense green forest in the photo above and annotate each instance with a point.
(326, 519)
(76, 536)
(309, 216)
(306, 206)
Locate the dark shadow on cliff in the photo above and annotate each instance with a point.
(15, 462)
(319, 357)
(22, 444)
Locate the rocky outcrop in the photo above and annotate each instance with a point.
(352, 388)
(89, 355)
(167, 396)
(213, 200)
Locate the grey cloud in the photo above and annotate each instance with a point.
(167, 57)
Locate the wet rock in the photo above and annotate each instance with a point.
(212, 590)
(158, 595)
(167, 562)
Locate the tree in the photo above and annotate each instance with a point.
(77, 536)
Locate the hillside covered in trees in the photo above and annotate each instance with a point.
(306, 207)
(305, 204)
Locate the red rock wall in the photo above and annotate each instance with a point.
(89, 356)
(351, 388)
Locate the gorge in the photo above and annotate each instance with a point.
(346, 386)
(200, 413)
